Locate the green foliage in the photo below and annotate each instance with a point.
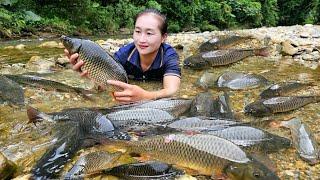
(216, 14)
(108, 16)
(206, 26)
(298, 11)
(154, 4)
(269, 12)
(182, 12)
(10, 23)
(8, 2)
(246, 12)
(173, 27)
(125, 13)
(54, 25)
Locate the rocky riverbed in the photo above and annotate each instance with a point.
(299, 42)
(295, 44)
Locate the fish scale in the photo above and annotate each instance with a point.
(269, 106)
(221, 42)
(283, 89)
(282, 104)
(201, 152)
(99, 64)
(221, 57)
(142, 114)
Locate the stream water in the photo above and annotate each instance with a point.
(24, 143)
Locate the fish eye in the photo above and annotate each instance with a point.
(256, 174)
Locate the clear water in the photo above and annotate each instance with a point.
(24, 143)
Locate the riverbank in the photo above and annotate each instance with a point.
(299, 43)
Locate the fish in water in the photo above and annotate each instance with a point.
(203, 104)
(207, 154)
(303, 140)
(91, 122)
(221, 42)
(141, 117)
(145, 170)
(92, 163)
(253, 139)
(75, 130)
(206, 81)
(283, 89)
(11, 92)
(101, 66)
(221, 57)
(265, 107)
(237, 81)
(174, 106)
(202, 124)
(36, 81)
(69, 141)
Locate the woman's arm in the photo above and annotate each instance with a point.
(132, 93)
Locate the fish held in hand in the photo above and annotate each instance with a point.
(99, 64)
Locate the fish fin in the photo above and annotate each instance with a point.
(316, 99)
(143, 157)
(85, 93)
(262, 52)
(264, 159)
(33, 115)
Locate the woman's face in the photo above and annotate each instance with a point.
(147, 35)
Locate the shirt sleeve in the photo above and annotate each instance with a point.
(172, 65)
(120, 55)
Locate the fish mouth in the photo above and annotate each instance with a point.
(65, 39)
(62, 37)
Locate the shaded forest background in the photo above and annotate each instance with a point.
(87, 17)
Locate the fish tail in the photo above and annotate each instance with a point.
(294, 122)
(33, 115)
(316, 99)
(85, 93)
(262, 52)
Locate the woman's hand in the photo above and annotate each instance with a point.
(130, 93)
(76, 62)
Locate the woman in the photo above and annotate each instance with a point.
(147, 58)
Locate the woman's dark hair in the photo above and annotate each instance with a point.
(163, 27)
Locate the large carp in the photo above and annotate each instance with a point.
(253, 139)
(221, 57)
(40, 82)
(265, 107)
(303, 140)
(239, 81)
(101, 66)
(209, 155)
(221, 42)
(283, 89)
(92, 163)
(174, 106)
